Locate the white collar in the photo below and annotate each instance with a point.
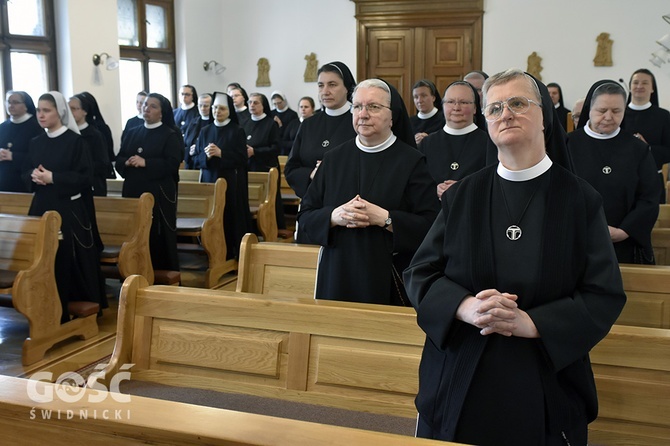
(525, 174)
(21, 119)
(221, 124)
(282, 110)
(56, 133)
(140, 116)
(83, 126)
(258, 118)
(639, 107)
(153, 126)
(339, 111)
(187, 107)
(428, 115)
(557, 105)
(379, 148)
(204, 118)
(458, 132)
(595, 135)
(241, 109)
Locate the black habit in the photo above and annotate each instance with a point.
(653, 124)
(162, 149)
(232, 166)
(498, 390)
(98, 151)
(454, 156)
(183, 117)
(317, 134)
(629, 190)
(286, 117)
(16, 137)
(77, 267)
(427, 125)
(191, 137)
(357, 263)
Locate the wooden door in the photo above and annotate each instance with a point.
(390, 57)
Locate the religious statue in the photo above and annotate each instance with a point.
(535, 65)
(311, 68)
(263, 79)
(604, 51)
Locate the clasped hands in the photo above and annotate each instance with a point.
(41, 176)
(136, 161)
(5, 155)
(212, 150)
(358, 213)
(494, 312)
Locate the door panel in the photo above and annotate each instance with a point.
(390, 56)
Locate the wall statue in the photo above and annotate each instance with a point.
(263, 79)
(535, 65)
(604, 51)
(311, 68)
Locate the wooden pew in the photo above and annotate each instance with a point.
(648, 291)
(277, 269)
(200, 209)
(124, 225)
(354, 356)
(660, 241)
(28, 247)
(287, 193)
(189, 175)
(262, 196)
(153, 421)
(663, 220)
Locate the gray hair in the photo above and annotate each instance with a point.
(608, 88)
(374, 83)
(510, 75)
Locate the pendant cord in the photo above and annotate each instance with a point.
(509, 214)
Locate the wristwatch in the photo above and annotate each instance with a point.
(388, 222)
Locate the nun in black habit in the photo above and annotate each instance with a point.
(99, 122)
(149, 161)
(647, 121)
(59, 170)
(15, 135)
(429, 117)
(221, 152)
(557, 96)
(621, 168)
(370, 204)
(513, 285)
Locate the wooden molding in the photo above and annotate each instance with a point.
(376, 7)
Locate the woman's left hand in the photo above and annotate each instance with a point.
(136, 161)
(617, 234)
(42, 176)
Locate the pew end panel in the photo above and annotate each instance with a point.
(262, 197)
(200, 210)
(279, 269)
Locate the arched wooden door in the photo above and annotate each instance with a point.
(405, 41)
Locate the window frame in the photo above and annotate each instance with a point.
(45, 45)
(144, 54)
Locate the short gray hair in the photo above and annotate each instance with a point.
(374, 83)
(509, 75)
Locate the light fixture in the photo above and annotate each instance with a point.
(217, 67)
(110, 62)
(659, 57)
(664, 41)
(667, 18)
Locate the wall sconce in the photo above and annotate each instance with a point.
(667, 18)
(664, 41)
(659, 57)
(217, 67)
(110, 62)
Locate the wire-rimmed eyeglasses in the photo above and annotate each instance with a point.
(517, 105)
(373, 108)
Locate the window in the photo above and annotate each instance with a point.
(27, 46)
(147, 49)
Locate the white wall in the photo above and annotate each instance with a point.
(564, 35)
(238, 33)
(84, 28)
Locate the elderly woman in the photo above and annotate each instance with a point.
(149, 161)
(459, 148)
(221, 152)
(15, 134)
(620, 167)
(427, 102)
(60, 170)
(369, 206)
(648, 121)
(513, 285)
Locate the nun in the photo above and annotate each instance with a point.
(15, 134)
(556, 94)
(323, 131)
(459, 148)
(647, 121)
(240, 99)
(99, 122)
(513, 285)
(621, 168)
(149, 161)
(221, 152)
(370, 204)
(428, 103)
(59, 169)
(283, 116)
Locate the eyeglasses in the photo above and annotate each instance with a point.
(373, 108)
(517, 105)
(14, 102)
(451, 103)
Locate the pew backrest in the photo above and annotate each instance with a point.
(648, 296)
(262, 197)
